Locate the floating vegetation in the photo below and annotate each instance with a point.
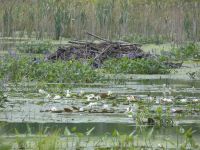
(136, 66)
(187, 51)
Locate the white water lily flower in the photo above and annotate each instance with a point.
(195, 100)
(166, 100)
(5, 96)
(151, 99)
(97, 97)
(109, 93)
(89, 97)
(183, 100)
(129, 112)
(105, 106)
(173, 110)
(82, 93)
(81, 109)
(169, 100)
(53, 109)
(131, 98)
(91, 104)
(157, 101)
(57, 97)
(41, 91)
(68, 94)
(159, 145)
(48, 96)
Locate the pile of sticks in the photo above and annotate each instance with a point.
(98, 51)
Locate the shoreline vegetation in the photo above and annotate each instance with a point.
(162, 21)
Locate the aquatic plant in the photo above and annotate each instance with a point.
(49, 142)
(4, 145)
(72, 139)
(187, 51)
(25, 68)
(3, 98)
(35, 46)
(135, 66)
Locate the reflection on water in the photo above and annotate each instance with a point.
(99, 128)
(7, 45)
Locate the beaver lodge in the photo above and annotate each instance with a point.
(101, 51)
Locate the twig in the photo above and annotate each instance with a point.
(98, 37)
(78, 42)
(103, 51)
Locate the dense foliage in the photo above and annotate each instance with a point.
(39, 46)
(187, 51)
(32, 69)
(25, 68)
(138, 66)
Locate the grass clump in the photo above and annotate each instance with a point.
(187, 51)
(35, 46)
(28, 69)
(136, 66)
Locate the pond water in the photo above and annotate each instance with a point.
(25, 104)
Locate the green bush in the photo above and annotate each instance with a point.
(35, 46)
(17, 69)
(187, 51)
(135, 66)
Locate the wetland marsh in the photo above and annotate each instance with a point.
(99, 74)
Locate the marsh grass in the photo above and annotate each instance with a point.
(50, 142)
(35, 46)
(176, 20)
(187, 51)
(4, 145)
(142, 138)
